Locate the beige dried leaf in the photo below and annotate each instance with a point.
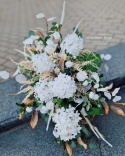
(61, 62)
(38, 33)
(28, 101)
(79, 140)
(69, 149)
(34, 119)
(110, 86)
(106, 107)
(117, 110)
(20, 116)
(118, 104)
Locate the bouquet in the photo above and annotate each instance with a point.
(62, 80)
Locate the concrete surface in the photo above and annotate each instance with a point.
(26, 141)
(103, 21)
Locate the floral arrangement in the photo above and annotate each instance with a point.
(62, 80)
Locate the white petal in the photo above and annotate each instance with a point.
(102, 56)
(51, 19)
(17, 72)
(83, 112)
(108, 95)
(34, 37)
(40, 15)
(102, 89)
(115, 91)
(96, 97)
(117, 98)
(78, 100)
(96, 85)
(107, 57)
(91, 95)
(28, 41)
(29, 109)
(106, 67)
(44, 110)
(4, 75)
(85, 83)
(20, 78)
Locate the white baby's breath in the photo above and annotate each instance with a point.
(40, 15)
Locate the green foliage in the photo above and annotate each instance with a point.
(46, 119)
(21, 105)
(36, 78)
(96, 111)
(54, 100)
(43, 115)
(31, 33)
(72, 144)
(85, 130)
(78, 135)
(92, 145)
(37, 103)
(102, 99)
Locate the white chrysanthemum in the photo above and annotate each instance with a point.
(42, 63)
(63, 86)
(69, 64)
(42, 91)
(72, 44)
(66, 126)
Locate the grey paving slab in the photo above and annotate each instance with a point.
(8, 109)
(26, 141)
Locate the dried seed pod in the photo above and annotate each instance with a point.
(28, 101)
(106, 107)
(110, 86)
(69, 149)
(79, 140)
(118, 104)
(38, 33)
(61, 62)
(20, 116)
(34, 119)
(117, 110)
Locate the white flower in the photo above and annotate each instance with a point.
(56, 35)
(49, 105)
(28, 41)
(108, 95)
(91, 95)
(66, 123)
(96, 85)
(51, 19)
(4, 75)
(34, 37)
(72, 44)
(40, 46)
(51, 46)
(107, 57)
(63, 86)
(29, 109)
(40, 15)
(115, 91)
(96, 77)
(81, 76)
(78, 100)
(102, 89)
(96, 97)
(20, 78)
(42, 91)
(44, 109)
(102, 56)
(85, 83)
(117, 98)
(69, 64)
(42, 63)
(83, 112)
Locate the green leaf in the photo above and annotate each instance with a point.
(70, 99)
(80, 58)
(96, 111)
(92, 68)
(92, 145)
(72, 145)
(85, 130)
(102, 99)
(43, 115)
(80, 35)
(31, 33)
(80, 146)
(46, 119)
(37, 103)
(90, 113)
(59, 101)
(21, 105)
(29, 58)
(54, 23)
(78, 135)
(36, 78)
(55, 100)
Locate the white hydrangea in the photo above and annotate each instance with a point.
(66, 126)
(42, 91)
(42, 63)
(63, 86)
(72, 44)
(69, 64)
(81, 76)
(51, 46)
